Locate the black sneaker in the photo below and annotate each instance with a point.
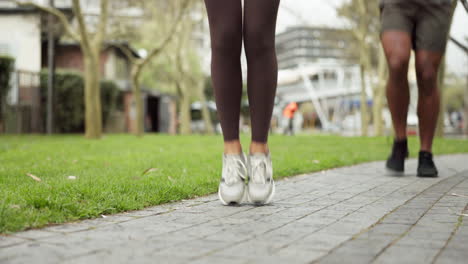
(396, 161)
(426, 166)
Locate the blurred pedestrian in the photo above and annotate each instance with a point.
(288, 113)
(424, 27)
(256, 28)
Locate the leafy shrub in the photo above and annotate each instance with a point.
(6, 68)
(68, 100)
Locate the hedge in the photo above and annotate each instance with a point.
(68, 101)
(6, 68)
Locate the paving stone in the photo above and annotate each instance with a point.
(321, 241)
(407, 255)
(36, 234)
(300, 255)
(8, 241)
(451, 256)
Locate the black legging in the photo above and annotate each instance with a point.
(258, 31)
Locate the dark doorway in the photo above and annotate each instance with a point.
(152, 114)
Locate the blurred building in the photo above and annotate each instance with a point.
(303, 45)
(22, 36)
(317, 66)
(27, 44)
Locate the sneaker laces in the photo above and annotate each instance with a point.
(233, 169)
(259, 170)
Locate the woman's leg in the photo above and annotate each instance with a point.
(225, 18)
(259, 38)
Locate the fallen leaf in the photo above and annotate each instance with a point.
(103, 216)
(74, 161)
(72, 177)
(459, 214)
(459, 195)
(170, 179)
(34, 177)
(149, 171)
(316, 161)
(15, 206)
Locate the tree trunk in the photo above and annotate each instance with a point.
(364, 111)
(93, 112)
(379, 94)
(184, 111)
(440, 84)
(205, 111)
(441, 81)
(377, 110)
(139, 119)
(2, 113)
(465, 116)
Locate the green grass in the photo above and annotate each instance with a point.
(109, 171)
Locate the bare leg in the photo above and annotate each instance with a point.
(427, 66)
(397, 46)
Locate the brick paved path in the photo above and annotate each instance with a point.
(348, 215)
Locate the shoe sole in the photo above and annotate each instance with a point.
(393, 172)
(269, 198)
(421, 175)
(231, 203)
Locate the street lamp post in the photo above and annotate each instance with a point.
(51, 66)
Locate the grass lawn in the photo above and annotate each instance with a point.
(109, 172)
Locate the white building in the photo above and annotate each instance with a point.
(20, 36)
(316, 67)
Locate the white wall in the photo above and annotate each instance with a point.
(20, 37)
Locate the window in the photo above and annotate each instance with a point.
(5, 49)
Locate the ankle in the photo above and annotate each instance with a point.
(426, 149)
(232, 147)
(425, 153)
(400, 139)
(258, 147)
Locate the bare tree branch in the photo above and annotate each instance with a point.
(59, 14)
(102, 27)
(82, 26)
(459, 44)
(155, 51)
(127, 52)
(465, 4)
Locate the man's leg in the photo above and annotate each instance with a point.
(433, 26)
(397, 38)
(397, 47)
(427, 66)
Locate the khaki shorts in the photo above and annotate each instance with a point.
(428, 24)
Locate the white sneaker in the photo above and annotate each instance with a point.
(232, 186)
(261, 187)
